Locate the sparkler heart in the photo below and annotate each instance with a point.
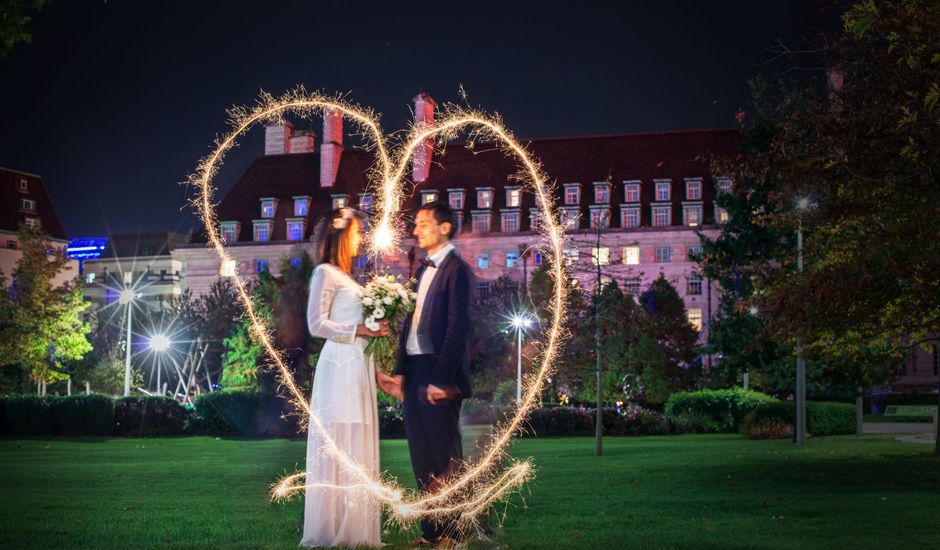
(482, 482)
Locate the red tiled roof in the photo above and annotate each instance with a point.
(11, 215)
(585, 160)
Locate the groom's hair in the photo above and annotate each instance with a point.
(442, 212)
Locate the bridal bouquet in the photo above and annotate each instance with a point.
(385, 297)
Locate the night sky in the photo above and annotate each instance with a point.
(113, 103)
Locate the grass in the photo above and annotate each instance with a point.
(712, 491)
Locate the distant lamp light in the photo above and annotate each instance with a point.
(159, 343)
(754, 311)
(804, 203)
(127, 296)
(520, 321)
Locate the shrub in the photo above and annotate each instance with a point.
(391, 424)
(726, 408)
(559, 421)
(647, 422)
(822, 417)
(227, 412)
(82, 415)
(769, 429)
(478, 411)
(691, 424)
(27, 415)
(142, 416)
(505, 393)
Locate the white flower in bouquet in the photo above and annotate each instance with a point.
(378, 313)
(385, 297)
(371, 324)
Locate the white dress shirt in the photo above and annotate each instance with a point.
(412, 347)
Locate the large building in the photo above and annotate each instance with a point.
(645, 194)
(25, 201)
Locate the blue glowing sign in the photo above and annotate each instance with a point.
(83, 249)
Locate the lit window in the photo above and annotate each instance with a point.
(724, 185)
(535, 220)
(28, 205)
(339, 201)
(570, 255)
(295, 263)
(483, 289)
(721, 215)
(631, 192)
(695, 317)
(261, 266)
(600, 256)
(268, 206)
(481, 223)
(693, 285)
(693, 190)
(483, 261)
(262, 231)
(570, 218)
(692, 215)
(630, 217)
(24, 186)
(361, 262)
(90, 278)
(661, 216)
(633, 286)
(572, 194)
(510, 222)
(537, 259)
(428, 196)
(365, 202)
(694, 253)
(227, 269)
(455, 197)
(32, 223)
(663, 254)
(229, 232)
(631, 255)
(484, 198)
(458, 219)
(513, 197)
(511, 259)
(600, 218)
(301, 206)
(295, 231)
(662, 190)
(601, 193)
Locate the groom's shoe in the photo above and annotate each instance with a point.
(445, 542)
(420, 541)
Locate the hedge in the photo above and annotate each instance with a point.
(27, 415)
(148, 415)
(726, 408)
(227, 412)
(822, 417)
(82, 415)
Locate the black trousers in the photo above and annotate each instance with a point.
(433, 433)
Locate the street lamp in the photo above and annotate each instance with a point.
(802, 205)
(159, 343)
(520, 322)
(127, 298)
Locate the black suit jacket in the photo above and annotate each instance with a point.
(444, 326)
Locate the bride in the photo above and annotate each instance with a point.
(343, 396)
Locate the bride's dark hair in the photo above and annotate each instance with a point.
(333, 235)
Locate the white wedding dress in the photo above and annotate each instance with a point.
(344, 400)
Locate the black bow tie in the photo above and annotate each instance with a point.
(427, 262)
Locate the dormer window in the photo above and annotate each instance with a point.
(230, 230)
(600, 217)
(601, 192)
(509, 222)
(296, 228)
(268, 207)
(484, 197)
(428, 196)
(693, 189)
(513, 197)
(262, 230)
(570, 218)
(481, 222)
(301, 206)
(28, 205)
(662, 190)
(24, 186)
(365, 202)
(456, 197)
(572, 193)
(339, 201)
(631, 191)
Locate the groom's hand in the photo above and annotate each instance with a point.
(436, 394)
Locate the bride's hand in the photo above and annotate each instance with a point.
(362, 330)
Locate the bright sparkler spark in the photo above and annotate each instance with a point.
(479, 486)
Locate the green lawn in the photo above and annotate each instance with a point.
(716, 491)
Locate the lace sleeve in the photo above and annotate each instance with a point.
(322, 291)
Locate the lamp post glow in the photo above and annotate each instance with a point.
(159, 344)
(519, 322)
(127, 298)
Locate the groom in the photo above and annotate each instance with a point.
(432, 370)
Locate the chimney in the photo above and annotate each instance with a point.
(332, 148)
(302, 142)
(277, 138)
(424, 117)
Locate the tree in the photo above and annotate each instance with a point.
(15, 21)
(41, 325)
(491, 346)
(666, 323)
